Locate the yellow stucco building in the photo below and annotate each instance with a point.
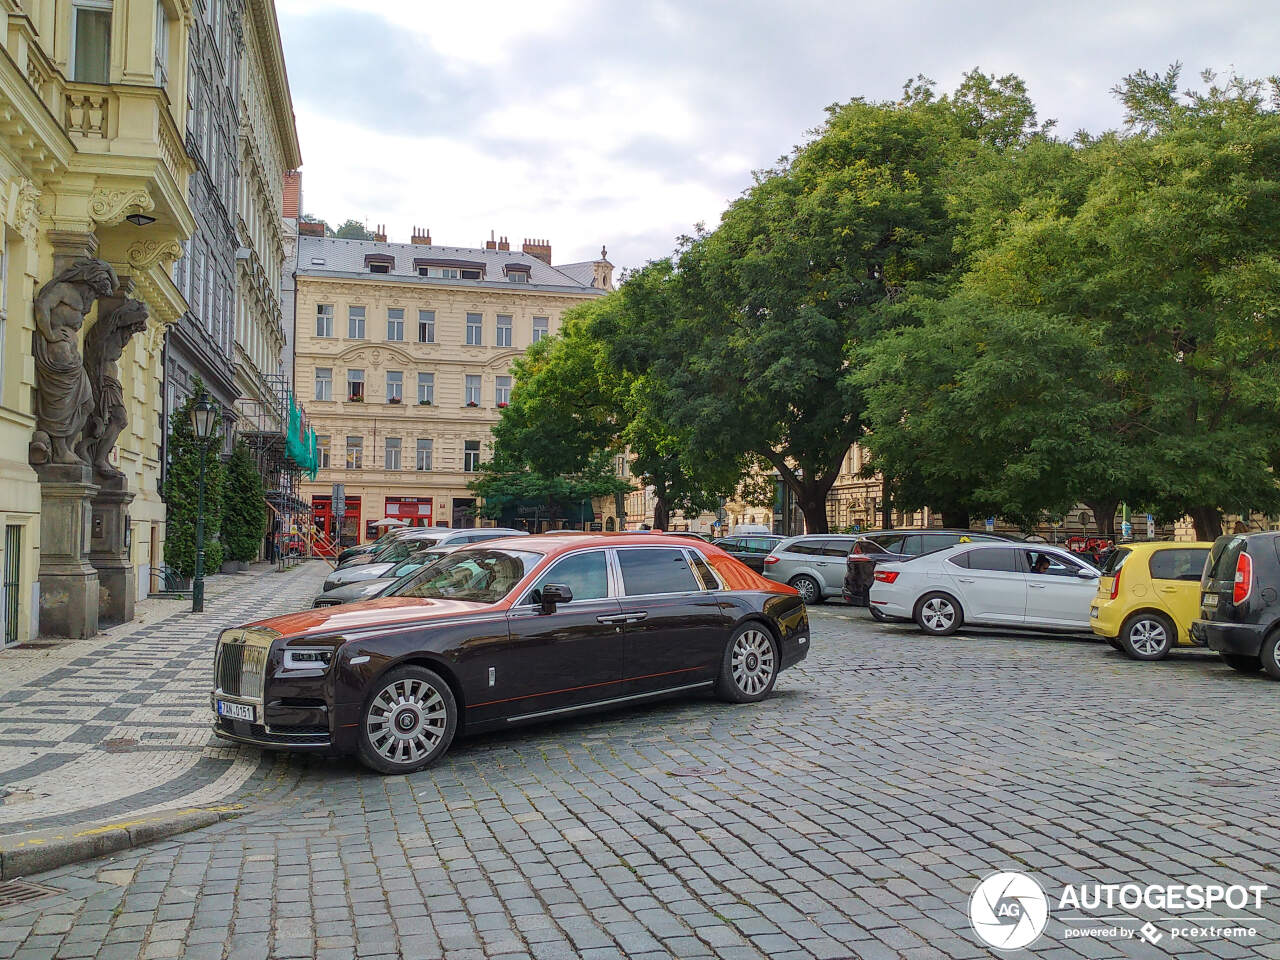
(92, 120)
(403, 356)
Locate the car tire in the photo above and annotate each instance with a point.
(938, 614)
(810, 589)
(1242, 662)
(1115, 643)
(407, 722)
(749, 667)
(1147, 636)
(1270, 655)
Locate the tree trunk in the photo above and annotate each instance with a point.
(661, 514)
(1104, 516)
(1208, 521)
(955, 518)
(814, 508)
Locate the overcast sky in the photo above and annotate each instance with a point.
(624, 123)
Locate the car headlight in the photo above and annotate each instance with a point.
(308, 658)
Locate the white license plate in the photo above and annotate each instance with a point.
(236, 711)
(1210, 599)
(1093, 612)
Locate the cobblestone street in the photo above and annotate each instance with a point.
(849, 815)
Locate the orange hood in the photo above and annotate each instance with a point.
(381, 612)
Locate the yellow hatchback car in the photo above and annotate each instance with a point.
(1148, 595)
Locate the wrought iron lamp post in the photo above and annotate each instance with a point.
(204, 421)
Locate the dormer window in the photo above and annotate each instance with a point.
(440, 269)
(379, 268)
(516, 272)
(379, 262)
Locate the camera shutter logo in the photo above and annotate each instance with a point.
(1008, 910)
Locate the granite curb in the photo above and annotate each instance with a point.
(24, 854)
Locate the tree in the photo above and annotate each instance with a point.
(1170, 253)
(505, 486)
(244, 522)
(572, 409)
(745, 330)
(353, 230)
(182, 490)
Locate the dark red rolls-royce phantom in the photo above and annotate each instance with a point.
(502, 633)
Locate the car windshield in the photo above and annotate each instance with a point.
(479, 575)
(400, 550)
(415, 562)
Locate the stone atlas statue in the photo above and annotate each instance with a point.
(64, 392)
(103, 346)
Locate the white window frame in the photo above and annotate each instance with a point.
(428, 449)
(352, 317)
(539, 332)
(352, 381)
(475, 329)
(502, 390)
(430, 384)
(427, 317)
(391, 445)
(395, 325)
(76, 6)
(395, 385)
(327, 317)
(472, 384)
(506, 330)
(327, 393)
(470, 458)
(162, 45)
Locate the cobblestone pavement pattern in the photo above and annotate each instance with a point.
(119, 723)
(849, 815)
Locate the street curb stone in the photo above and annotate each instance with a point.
(23, 854)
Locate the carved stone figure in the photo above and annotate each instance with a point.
(103, 346)
(64, 395)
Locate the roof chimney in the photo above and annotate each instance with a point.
(380, 233)
(538, 248)
(503, 244)
(292, 194)
(491, 244)
(421, 236)
(308, 228)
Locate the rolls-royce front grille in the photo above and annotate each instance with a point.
(241, 668)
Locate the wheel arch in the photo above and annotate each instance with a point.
(1154, 611)
(949, 594)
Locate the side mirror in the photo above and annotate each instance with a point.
(555, 593)
(1086, 574)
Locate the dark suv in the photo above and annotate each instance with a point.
(886, 546)
(1239, 615)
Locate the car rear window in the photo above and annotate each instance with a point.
(808, 548)
(1114, 562)
(1222, 558)
(836, 548)
(1183, 564)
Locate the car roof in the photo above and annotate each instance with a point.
(563, 541)
(1154, 546)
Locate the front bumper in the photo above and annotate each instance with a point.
(1241, 639)
(309, 728)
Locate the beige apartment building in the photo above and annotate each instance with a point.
(403, 355)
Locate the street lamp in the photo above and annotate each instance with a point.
(204, 421)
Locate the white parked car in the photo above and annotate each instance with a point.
(985, 584)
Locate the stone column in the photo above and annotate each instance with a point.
(68, 582)
(109, 544)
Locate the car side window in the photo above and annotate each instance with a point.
(912, 545)
(730, 544)
(586, 574)
(994, 558)
(1044, 564)
(807, 548)
(938, 541)
(891, 542)
(960, 560)
(1178, 564)
(700, 567)
(660, 570)
(757, 545)
(836, 548)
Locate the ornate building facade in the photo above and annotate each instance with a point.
(403, 356)
(92, 167)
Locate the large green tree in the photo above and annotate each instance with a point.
(244, 520)
(746, 330)
(182, 489)
(352, 230)
(1170, 253)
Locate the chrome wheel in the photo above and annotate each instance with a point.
(808, 588)
(752, 662)
(938, 614)
(1148, 637)
(406, 721)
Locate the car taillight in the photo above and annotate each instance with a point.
(1244, 578)
(1115, 585)
(770, 559)
(886, 576)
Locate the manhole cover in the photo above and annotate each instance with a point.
(19, 891)
(695, 771)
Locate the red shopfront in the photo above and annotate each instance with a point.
(326, 525)
(415, 511)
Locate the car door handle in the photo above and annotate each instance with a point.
(612, 618)
(1036, 586)
(634, 617)
(1168, 589)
